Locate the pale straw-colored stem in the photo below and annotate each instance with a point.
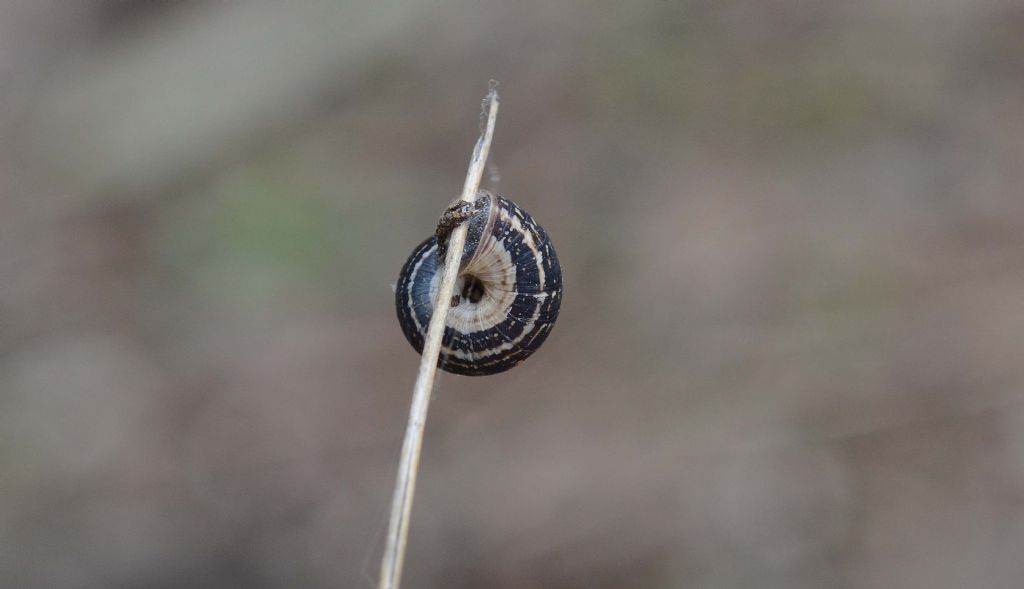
(405, 485)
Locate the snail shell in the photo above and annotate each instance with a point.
(507, 295)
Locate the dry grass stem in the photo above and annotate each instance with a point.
(405, 485)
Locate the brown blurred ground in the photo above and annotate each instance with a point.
(790, 353)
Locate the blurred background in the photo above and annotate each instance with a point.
(789, 354)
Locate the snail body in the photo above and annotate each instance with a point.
(507, 295)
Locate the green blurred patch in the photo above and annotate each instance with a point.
(253, 238)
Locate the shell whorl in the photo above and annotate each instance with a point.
(508, 292)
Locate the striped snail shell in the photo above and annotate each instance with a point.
(507, 294)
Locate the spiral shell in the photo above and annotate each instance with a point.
(508, 292)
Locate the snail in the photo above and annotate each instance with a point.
(507, 294)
